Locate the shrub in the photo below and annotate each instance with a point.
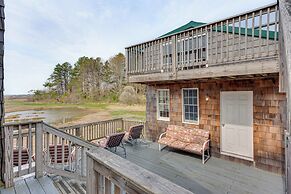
(129, 96)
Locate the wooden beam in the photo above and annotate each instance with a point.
(270, 65)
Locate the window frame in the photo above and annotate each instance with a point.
(158, 107)
(183, 107)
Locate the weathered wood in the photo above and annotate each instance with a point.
(128, 176)
(8, 178)
(39, 163)
(47, 185)
(232, 69)
(225, 43)
(92, 181)
(34, 186)
(21, 187)
(285, 77)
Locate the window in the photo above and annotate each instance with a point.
(163, 105)
(190, 105)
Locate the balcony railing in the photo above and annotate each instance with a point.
(24, 148)
(248, 36)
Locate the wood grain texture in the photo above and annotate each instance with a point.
(130, 177)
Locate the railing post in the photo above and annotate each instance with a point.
(39, 158)
(8, 176)
(92, 182)
(174, 54)
(78, 132)
(122, 124)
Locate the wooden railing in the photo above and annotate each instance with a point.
(108, 173)
(19, 143)
(40, 148)
(97, 130)
(32, 146)
(248, 36)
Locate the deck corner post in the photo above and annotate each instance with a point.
(39, 160)
(91, 181)
(8, 174)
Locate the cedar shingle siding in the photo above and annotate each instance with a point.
(269, 107)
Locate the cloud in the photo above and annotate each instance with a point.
(41, 33)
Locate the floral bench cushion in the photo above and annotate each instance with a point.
(188, 139)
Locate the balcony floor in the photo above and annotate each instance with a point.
(215, 176)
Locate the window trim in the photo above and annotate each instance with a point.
(158, 109)
(183, 111)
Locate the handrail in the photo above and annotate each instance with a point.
(50, 129)
(89, 123)
(111, 171)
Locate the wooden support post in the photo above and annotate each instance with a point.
(8, 175)
(91, 187)
(39, 162)
(174, 61)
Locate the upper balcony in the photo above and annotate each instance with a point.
(244, 44)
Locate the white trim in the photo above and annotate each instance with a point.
(237, 156)
(158, 111)
(183, 111)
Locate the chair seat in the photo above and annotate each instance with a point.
(195, 148)
(101, 142)
(166, 140)
(178, 144)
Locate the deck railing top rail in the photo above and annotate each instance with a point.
(127, 177)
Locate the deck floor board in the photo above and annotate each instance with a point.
(184, 169)
(216, 176)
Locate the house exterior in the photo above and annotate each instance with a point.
(222, 77)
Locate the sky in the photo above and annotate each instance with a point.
(42, 33)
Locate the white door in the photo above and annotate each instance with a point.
(237, 124)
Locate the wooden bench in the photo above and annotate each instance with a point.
(191, 140)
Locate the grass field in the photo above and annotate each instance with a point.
(94, 111)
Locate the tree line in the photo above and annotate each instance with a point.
(90, 79)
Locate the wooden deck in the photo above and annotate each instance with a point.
(30, 185)
(216, 176)
(48, 184)
(186, 170)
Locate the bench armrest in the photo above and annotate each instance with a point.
(205, 143)
(162, 135)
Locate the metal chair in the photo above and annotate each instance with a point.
(112, 141)
(134, 133)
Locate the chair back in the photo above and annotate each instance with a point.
(24, 156)
(58, 154)
(136, 131)
(114, 140)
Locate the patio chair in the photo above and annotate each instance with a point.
(134, 133)
(112, 141)
(24, 156)
(58, 155)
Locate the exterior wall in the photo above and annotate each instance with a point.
(269, 106)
